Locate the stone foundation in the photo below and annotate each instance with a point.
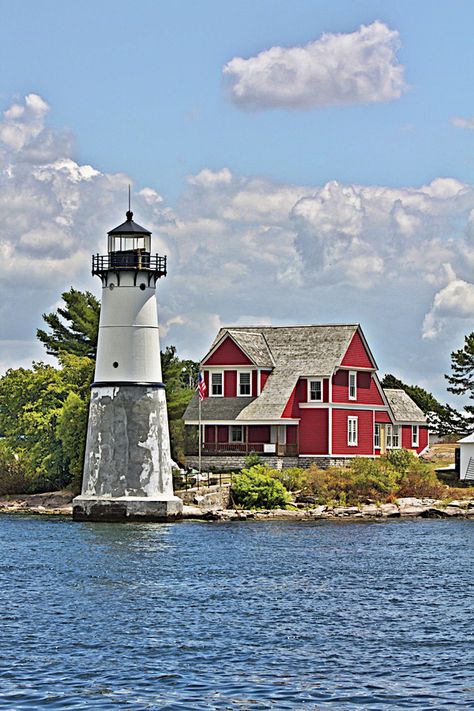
(236, 462)
(126, 508)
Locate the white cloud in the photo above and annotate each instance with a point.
(460, 122)
(240, 250)
(336, 69)
(454, 302)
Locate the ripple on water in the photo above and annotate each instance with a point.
(267, 615)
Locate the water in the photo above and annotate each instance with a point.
(264, 615)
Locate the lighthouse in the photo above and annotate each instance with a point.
(127, 467)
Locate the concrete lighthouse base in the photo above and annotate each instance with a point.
(127, 468)
(126, 508)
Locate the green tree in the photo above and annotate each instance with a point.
(31, 408)
(73, 327)
(180, 378)
(461, 380)
(71, 430)
(443, 419)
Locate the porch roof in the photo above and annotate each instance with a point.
(403, 407)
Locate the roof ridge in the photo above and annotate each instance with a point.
(292, 325)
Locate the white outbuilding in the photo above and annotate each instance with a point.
(466, 463)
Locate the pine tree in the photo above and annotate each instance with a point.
(73, 328)
(461, 380)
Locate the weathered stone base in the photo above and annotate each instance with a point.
(126, 508)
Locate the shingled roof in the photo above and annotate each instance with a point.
(292, 352)
(403, 407)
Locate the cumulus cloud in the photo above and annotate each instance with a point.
(453, 302)
(460, 122)
(337, 69)
(241, 249)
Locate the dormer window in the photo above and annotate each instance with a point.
(245, 383)
(315, 390)
(352, 385)
(217, 384)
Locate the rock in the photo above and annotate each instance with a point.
(371, 510)
(436, 512)
(389, 510)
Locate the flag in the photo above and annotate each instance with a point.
(202, 387)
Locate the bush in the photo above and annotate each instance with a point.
(13, 472)
(421, 481)
(401, 459)
(252, 459)
(256, 488)
(292, 478)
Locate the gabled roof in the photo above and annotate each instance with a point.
(292, 352)
(466, 440)
(251, 343)
(403, 407)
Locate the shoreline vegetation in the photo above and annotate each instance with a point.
(398, 485)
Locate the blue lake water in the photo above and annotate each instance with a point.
(264, 615)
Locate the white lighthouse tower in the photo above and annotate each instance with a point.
(127, 468)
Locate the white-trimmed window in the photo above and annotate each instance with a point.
(415, 436)
(315, 390)
(392, 436)
(236, 433)
(217, 384)
(352, 431)
(352, 385)
(377, 436)
(245, 383)
(396, 437)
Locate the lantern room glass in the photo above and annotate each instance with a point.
(129, 243)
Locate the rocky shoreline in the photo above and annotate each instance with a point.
(58, 503)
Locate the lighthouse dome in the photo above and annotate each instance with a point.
(129, 237)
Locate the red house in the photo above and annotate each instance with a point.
(297, 395)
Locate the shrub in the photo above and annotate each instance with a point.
(251, 460)
(400, 459)
(292, 478)
(373, 478)
(421, 481)
(256, 488)
(13, 472)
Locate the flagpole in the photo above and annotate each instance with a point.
(200, 437)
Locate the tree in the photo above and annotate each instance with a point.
(180, 378)
(443, 419)
(73, 328)
(461, 379)
(32, 403)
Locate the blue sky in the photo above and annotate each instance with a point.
(234, 188)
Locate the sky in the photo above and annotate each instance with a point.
(298, 162)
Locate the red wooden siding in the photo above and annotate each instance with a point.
(209, 433)
(367, 391)
(298, 395)
(230, 383)
(254, 383)
(263, 378)
(365, 432)
(222, 433)
(314, 431)
(357, 355)
(206, 380)
(259, 433)
(291, 434)
(228, 353)
(382, 417)
(422, 438)
(326, 390)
